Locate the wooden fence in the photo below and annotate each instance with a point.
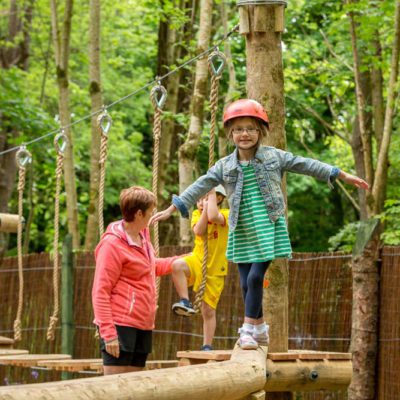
(320, 296)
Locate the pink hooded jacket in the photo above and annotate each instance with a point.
(124, 291)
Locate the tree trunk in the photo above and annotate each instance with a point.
(187, 152)
(15, 52)
(364, 335)
(364, 323)
(61, 52)
(168, 54)
(222, 140)
(265, 84)
(92, 226)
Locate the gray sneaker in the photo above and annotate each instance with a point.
(262, 338)
(246, 340)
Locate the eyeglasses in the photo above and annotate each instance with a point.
(250, 131)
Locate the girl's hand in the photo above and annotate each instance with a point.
(112, 348)
(162, 215)
(353, 180)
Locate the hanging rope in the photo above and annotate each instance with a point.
(216, 64)
(23, 158)
(104, 122)
(60, 144)
(158, 97)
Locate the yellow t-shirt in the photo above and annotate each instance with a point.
(217, 241)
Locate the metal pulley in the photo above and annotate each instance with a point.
(23, 157)
(216, 62)
(104, 122)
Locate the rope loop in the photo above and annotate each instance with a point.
(61, 142)
(216, 62)
(23, 157)
(104, 122)
(158, 96)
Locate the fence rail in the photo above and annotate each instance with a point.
(320, 296)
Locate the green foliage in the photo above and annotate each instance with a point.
(345, 239)
(320, 107)
(391, 218)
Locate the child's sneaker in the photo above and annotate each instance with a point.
(262, 337)
(246, 340)
(184, 307)
(206, 347)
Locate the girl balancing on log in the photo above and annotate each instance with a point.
(252, 177)
(124, 289)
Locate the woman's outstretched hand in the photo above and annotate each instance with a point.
(162, 215)
(353, 180)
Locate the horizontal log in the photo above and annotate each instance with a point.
(9, 222)
(308, 375)
(234, 379)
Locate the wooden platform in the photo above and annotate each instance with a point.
(199, 357)
(30, 360)
(76, 365)
(12, 352)
(6, 343)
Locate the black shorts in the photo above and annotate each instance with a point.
(134, 347)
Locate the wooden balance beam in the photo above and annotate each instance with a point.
(234, 379)
(12, 352)
(9, 222)
(297, 370)
(30, 360)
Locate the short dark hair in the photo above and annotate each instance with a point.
(133, 199)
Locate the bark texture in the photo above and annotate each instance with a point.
(92, 225)
(61, 40)
(188, 150)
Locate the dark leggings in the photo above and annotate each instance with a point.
(251, 281)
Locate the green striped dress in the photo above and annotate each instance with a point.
(256, 238)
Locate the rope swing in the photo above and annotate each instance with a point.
(60, 144)
(158, 96)
(23, 158)
(216, 64)
(104, 122)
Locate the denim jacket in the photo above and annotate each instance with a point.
(269, 164)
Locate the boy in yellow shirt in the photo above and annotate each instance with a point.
(187, 271)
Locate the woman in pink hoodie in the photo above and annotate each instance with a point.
(124, 291)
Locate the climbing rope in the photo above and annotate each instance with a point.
(158, 97)
(60, 144)
(104, 122)
(216, 64)
(23, 158)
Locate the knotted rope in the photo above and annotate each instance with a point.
(158, 97)
(23, 157)
(104, 122)
(60, 143)
(216, 72)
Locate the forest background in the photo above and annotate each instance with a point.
(142, 39)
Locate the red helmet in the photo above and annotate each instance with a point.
(246, 108)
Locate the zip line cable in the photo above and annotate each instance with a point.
(147, 85)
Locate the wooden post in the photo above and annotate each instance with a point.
(67, 300)
(262, 26)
